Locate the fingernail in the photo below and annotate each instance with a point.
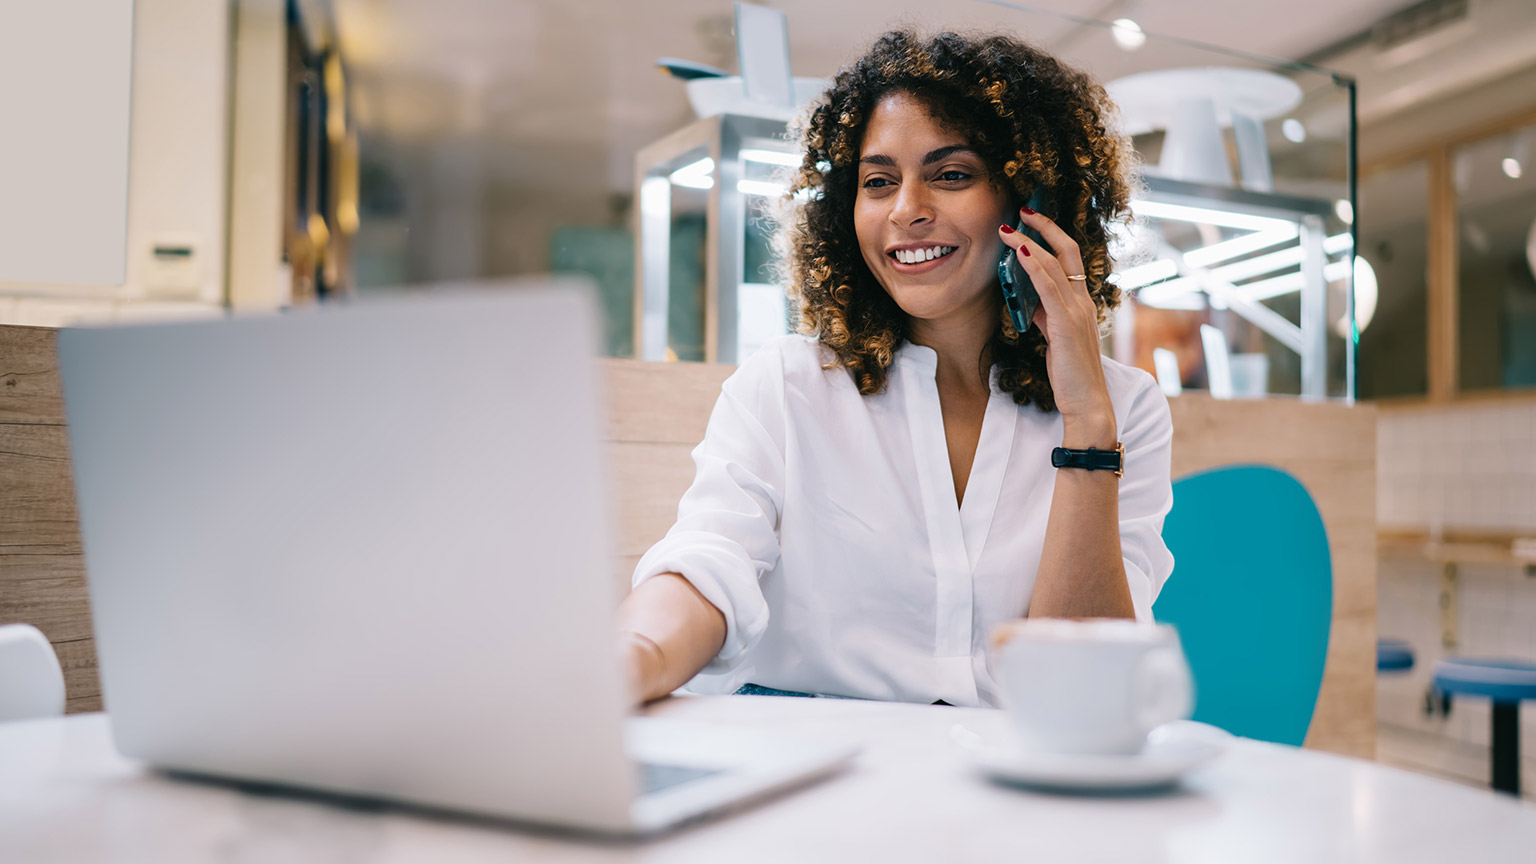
(1025, 250)
(1005, 228)
(1026, 211)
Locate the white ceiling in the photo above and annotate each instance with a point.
(562, 94)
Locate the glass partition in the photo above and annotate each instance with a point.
(1495, 185)
(1393, 304)
(1239, 270)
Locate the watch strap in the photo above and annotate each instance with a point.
(1092, 459)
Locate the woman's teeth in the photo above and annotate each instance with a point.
(918, 256)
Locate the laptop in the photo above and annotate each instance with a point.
(365, 550)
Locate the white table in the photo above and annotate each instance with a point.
(66, 796)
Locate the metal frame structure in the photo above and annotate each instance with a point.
(720, 139)
(1309, 336)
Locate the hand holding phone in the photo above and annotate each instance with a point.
(1018, 291)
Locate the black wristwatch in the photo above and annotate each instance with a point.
(1092, 459)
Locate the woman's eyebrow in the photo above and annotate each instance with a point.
(931, 157)
(946, 152)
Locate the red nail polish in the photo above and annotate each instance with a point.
(1026, 211)
(1025, 250)
(1005, 228)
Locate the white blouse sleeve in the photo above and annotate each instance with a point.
(1146, 494)
(726, 534)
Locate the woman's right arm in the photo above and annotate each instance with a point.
(697, 605)
(668, 632)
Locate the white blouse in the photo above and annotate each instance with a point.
(823, 524)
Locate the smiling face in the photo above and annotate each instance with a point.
(927, 214)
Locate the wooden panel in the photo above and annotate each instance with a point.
(82, 687)
(1345, 718)
(657, 413)
(1410, 404)
(56, 606)
(648, 481)
(1493, 548)
(20, 562)
(1210, 432)
(42, 577)
(29, 376)
(661, 402)
(37, 512)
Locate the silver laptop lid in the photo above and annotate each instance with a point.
(363, 549)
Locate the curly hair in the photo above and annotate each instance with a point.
(1038, 125)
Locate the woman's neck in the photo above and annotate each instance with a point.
(961, 342)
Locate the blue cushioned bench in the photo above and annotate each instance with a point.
(1506, 683)
(1393, 655)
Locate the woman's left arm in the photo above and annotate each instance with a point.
(1082, 571)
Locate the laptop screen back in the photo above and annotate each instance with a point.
(363, 549)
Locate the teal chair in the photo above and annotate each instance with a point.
(1252, 597)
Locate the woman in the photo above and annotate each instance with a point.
(874, 495)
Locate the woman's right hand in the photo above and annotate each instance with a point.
(641, 663)
(667, 633)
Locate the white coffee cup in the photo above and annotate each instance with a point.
(1090, 687)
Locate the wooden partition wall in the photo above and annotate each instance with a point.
(42, 577)
(657, 413)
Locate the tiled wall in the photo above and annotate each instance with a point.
(1471, 466)
(1466, 468)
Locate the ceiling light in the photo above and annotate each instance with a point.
(772, 157)
(1207, 216)
(1127, 34)
(1276, 286)
(1293, 131)
(695, 175)
(760, 187)
(1200, 279)
(1248, 268)
(1345, 211)
(1511, 167)
(1145, 274)
(1338, 243)
(1239, 246)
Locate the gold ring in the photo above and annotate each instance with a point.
(1078, 278)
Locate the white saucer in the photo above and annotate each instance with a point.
(1172, 750)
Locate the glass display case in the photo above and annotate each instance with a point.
(727, 166)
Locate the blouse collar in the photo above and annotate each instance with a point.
(923, 359)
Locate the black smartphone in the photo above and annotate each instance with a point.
(1018, 291)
